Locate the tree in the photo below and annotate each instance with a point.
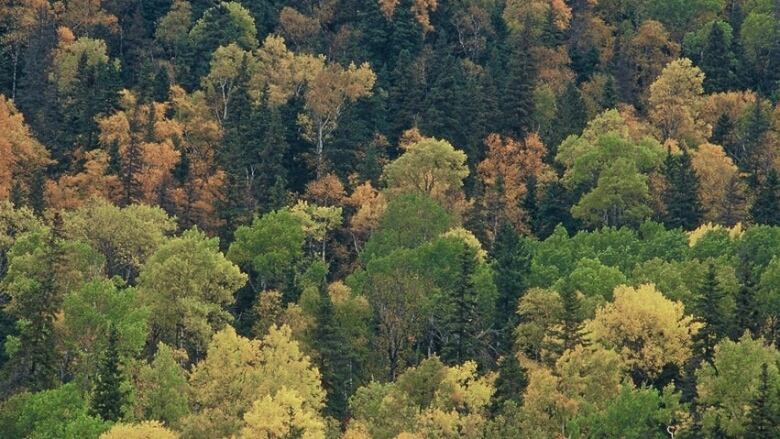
(717, 61)
(327, 91)
(334, 361)
(186, 284)
(716, 173)
(571, 116)
(763, 421)
(658, 330)
(675, 103)
(108, 397)
(282, 415)
(517, 103)
(710, 314)
(238, 371)
(512, 267)
(747, 315)
(143, 430)
(766, 206)
(572, 327)
(161, 387)
(21, 155)
(728, 386)
(461, 318)
(430, 167)
(510, 383)
(681, 196)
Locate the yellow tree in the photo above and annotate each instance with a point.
(282, 415)
(676, 99)
(143, 139)
(648, 51)
(94, 181)
(326, 94)
(531, 16)
(21, 155)
(717, 174)
(238, 371)
(648, 330)
(430, 167)
(505, 172)
(421, 9)
(143, 430)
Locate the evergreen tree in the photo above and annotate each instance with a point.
(36, 198)
(710, 313)
(162, 86)
(571, 332)
(716, 62)
(751, 140)
(511, 268)
(747, 313)
(554, 209)
(510, 382)
(530, 204)
(518, 99)
(571, 118)
(108, 395)
(461, 315)
(271, 174)
(763, 417)
(681, 197)
(335, 359)
(766, 207)
(723, 134)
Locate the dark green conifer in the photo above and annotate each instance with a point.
(717, 62)
(461, 315)
(511, 268)
(681, 197)
(763, 417)
(766, 207)
(108, 397)
(710, 313)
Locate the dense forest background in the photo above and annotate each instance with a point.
(389, 219)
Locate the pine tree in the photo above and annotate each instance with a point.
(747, 313)
(571, 118)
(461, 315)
(716, 62)
(710, 313)
(335, 358)
(36, 199)
(512, 266)
(162, 85)
(554, 209)
(723, 134)
(510, 382)
(530, 205)
(271, 175)
(108, 397)
(571, 332)
(751, 139)
(763, 417)
(683, 206)
(518, 101)
(766, 207)
(734, 203)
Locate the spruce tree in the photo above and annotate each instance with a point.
(751, 139)
(512, 266)
(530, 204)
(571, 332)
(510, 382)
(716, 62)
(763, 417)
(461, 315)
(723, 134)
(335, 362)
(554, 209)
(683, 206)
(570, 118)
(35, 198)
(518, 100)
(108, 395)
(747, 313)
(766, 207)
(710, 313)
(271, 174)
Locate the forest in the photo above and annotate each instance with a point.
(389, 219)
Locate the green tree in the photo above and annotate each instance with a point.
(334, 357)
(711, 315)
(572, 326)
(510, 382)
(747, 312)
(108, 396)
(461, 318)
(766, 206)
(160, 388)
(517, 104)
(763, 420)
(511, 267)
(571, 117)
(717, 62)
(681, 196)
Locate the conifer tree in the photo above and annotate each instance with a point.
(723, 134)
(518, 101)
(683, 206)
(751, 140)
(570, 118)
(554, 209)
(716, 62)
(334, 358)
(763, 417)
(711, 315)
(461, 319)
(766, 207)
(108, 395)
(36, 199)
(512, 266)
(510, 382)
(530, 205)
(571, 332)
(746, 315)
